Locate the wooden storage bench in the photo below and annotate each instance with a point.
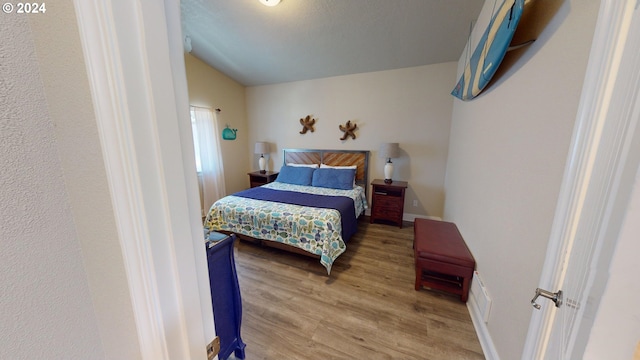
(443, 260)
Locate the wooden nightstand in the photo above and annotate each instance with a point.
(387, 201)
(257, 179)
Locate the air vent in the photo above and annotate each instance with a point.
(481, 297)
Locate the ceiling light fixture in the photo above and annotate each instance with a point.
(270, 2)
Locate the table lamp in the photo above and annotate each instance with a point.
(389, 151)
(262, 148)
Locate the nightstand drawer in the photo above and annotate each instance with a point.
(386, 213)
(389, 203)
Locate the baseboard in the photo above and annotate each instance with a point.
(482, 331)
(412, 217)
(409, 217)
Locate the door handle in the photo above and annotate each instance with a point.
(555, 297)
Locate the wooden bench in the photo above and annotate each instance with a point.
(443, 260)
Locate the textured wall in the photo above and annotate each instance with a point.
(506, 160)
(45, 304)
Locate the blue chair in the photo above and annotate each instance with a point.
(225, 294)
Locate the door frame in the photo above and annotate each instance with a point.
(609, 100)
(134, 58)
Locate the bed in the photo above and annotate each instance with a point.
(311, 208)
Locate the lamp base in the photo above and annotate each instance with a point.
(262, 163)
(388, 172)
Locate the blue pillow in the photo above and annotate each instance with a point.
(295, 175)
(334, 178)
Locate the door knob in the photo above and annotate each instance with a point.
(555, 297)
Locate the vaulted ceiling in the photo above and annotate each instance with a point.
(308, 39)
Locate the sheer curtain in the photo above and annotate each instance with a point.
(207, 147)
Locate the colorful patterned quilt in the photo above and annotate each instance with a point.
(312, 229)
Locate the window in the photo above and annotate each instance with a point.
(206, 142)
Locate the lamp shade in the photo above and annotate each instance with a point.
(270, 2)
(261, 148)
(389, 150)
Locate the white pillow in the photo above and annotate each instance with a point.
(338, 167)
(315, 166)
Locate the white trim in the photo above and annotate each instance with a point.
(408, 216)
(622, 135)
(412, 217)
(588, 151)
(138, 86)
(106, 82)
(484, 336)
(194, 254)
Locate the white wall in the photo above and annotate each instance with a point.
(411, 106)
(507, 154)
(46, 309)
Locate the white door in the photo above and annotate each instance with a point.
(596, 185)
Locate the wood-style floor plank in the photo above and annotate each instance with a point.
(366, 309)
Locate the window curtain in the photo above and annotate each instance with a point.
(208, 146)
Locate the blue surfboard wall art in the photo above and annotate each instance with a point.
(490, 51)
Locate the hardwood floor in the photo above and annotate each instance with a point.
(366, 309)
